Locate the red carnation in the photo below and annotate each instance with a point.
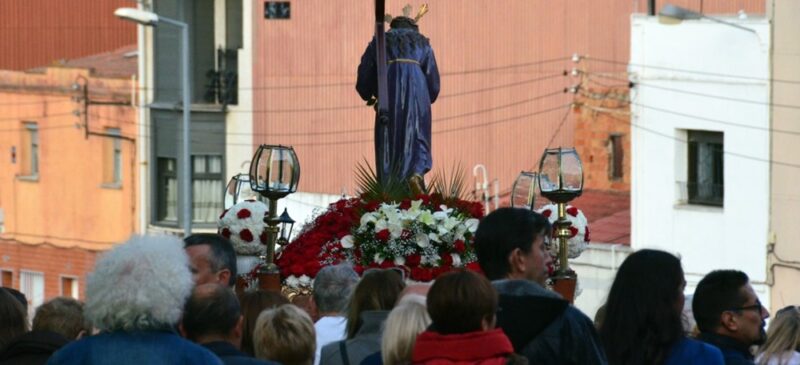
(546, 213)
(586, 236)
(421, 274)
(246, 235)
(358, 269)
(263, 238)
(572, 211)
(383, 235)
(475, 266)
(572, 231)
(226, 233)
(405, 204)
(371, 206)
(244, 213)
(459, 246)
(447, 260)
(413, 260)
(296, 270)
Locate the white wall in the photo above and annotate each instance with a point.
(707, 238)
(239, 119)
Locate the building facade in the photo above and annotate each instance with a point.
(68, 186)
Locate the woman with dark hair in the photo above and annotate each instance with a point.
(373, 297)
(13, 318)
(462, 306)
(253, 303)
(642, 323)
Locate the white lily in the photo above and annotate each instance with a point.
(348, 241)
(378, 259)
(472, 224)
(456, 259)
(400, 261)
(304, 280)
(422, 240)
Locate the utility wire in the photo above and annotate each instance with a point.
(434, 121)
(752, 78)
(730, 153)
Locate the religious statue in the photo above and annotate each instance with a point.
(403, 134)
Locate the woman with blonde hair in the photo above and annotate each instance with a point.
(783, 339)
(408, 319)
(285, 335)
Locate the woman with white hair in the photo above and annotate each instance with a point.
(135, 296)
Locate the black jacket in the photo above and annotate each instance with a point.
(32, 348)
(231, 356)
(734, 352)
(545, 328)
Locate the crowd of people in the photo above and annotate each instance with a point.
(160, 300)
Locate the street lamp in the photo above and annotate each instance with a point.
(523, 192)
(671, 14)
(151, 19)
(237, 190)
(560, 181)
(274, 173)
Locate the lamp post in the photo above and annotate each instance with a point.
(151, 19)
(560, 181)
(671, 14)
(274, 173)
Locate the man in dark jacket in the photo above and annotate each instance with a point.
(212, 318)
(56, 323)
(729, 315)
(542, 326)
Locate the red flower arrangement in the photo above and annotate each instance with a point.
(425, 236)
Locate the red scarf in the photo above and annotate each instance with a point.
(482, 347)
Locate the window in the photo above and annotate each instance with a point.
(6, 278)
(30, 150)
(112, 158)
(69, 287)
(167, 189)
(277, 10)
(616, 156)
(32, 285)
(705, 185)
(206, 188)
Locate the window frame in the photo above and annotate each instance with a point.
(716, 142)
(30, 153)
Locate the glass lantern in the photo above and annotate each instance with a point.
(560, 174)
(238, 190)
(287, 223)
(523, 192)
(274, 171)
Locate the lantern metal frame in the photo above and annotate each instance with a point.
(273, 191)
(561, 196)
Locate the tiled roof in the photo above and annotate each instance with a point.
(119, 63)
(609, 215)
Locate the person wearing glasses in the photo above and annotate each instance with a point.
(783, 339)
(542, 326)
(729, 315)
(642, 323)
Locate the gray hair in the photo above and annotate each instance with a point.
(141, 284)
(333, 286)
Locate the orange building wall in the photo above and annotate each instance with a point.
(36, 33)
(492, 110)
(54, 262)
(57, 223)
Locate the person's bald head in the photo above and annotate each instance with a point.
(212, 310)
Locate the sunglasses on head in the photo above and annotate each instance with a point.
(399, 270)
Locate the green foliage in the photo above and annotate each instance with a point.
(450, 186)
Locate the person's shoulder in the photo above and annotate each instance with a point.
(575, 317)
(691, 351)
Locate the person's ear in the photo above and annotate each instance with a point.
(238, 330)
(224, 276)
(182, 330)
(729, 321)
(488, 323)
(517, 261)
